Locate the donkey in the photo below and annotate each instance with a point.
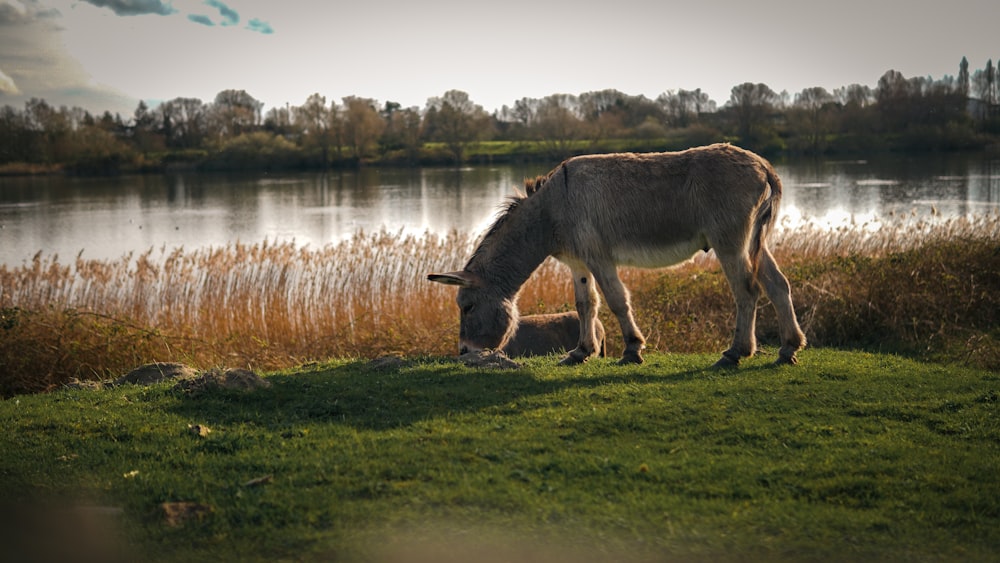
(538, 335)
(596, 212)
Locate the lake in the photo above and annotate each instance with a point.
(106, 218)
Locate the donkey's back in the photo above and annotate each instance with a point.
(658, 209)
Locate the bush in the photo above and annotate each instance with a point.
(255, 151)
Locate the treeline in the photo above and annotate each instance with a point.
(233, 131)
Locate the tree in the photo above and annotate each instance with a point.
(362, 126)
(557, 123)
(752, 105)
(857, 95)
(188, 120)
(49, 131)
(15, 137)
(894, 100)
(97, 151)
(279, 121)
(235, 112)
(456, 121)
(811, 112)
(144, 130)
(963, 78)
(515, 123)
(604, 112)
(683, 107)
(402, 130)
(314, 118)
(985, 84)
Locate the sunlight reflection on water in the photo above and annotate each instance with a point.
(107, 218)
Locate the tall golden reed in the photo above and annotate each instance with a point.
(274, 305)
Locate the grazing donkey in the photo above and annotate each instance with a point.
(538, 335)
(649, 210)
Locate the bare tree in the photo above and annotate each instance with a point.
(683, 107)
(235, 112)
(857, 95)
(812, 109)
(604, 112)
(752, 104)
(985, 83)
(558, 123)
(456, 121)
(963, 77)
(187, 117)
(403, 130)
(314, 118)
(144, 131)
(362, 126)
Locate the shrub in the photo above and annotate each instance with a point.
(255, 151)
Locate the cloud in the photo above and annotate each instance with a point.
(135, 7)
(202, 19)
(260, 26)
(12, 13)
(7, 86)
(229, 15)
(17, 13)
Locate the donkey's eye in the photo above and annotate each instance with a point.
(466, 309)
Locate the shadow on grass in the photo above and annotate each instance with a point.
(366, 397)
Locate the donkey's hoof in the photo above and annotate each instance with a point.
(629, 358)
(726, 363)
(571, 360)
(786, 360)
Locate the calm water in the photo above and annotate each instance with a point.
(109, 217)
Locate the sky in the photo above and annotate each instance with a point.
(106, 55)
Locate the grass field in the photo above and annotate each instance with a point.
(883, 445)
(850, 456)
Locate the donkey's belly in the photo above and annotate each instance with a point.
(658, 256)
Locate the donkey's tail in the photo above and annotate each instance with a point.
(767, 215)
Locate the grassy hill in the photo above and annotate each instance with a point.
(850, 456)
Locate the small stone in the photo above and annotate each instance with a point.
(488, 359)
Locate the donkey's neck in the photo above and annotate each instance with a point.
(517, 243)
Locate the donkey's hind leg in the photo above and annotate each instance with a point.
(620, 304)
(746, 292)
(587, 303)
(778, 291)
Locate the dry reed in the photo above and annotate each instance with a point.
(275, 305)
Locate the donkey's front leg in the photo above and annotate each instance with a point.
(587, 303)
(618, 300)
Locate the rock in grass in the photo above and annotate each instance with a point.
(238, 379)
(389, 363)
(177, 513)
(488, 359)
(157, 372)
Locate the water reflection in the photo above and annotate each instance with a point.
(834, 192)
(109, 217)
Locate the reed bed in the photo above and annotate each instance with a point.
(878, 237)
(274, 305)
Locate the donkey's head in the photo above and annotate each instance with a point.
(487, 318)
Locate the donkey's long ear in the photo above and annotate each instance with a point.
(463, 278)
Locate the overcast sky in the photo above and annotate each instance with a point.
(108, 54)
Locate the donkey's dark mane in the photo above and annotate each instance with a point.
(531, 187)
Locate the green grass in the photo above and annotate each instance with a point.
(850, 456)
